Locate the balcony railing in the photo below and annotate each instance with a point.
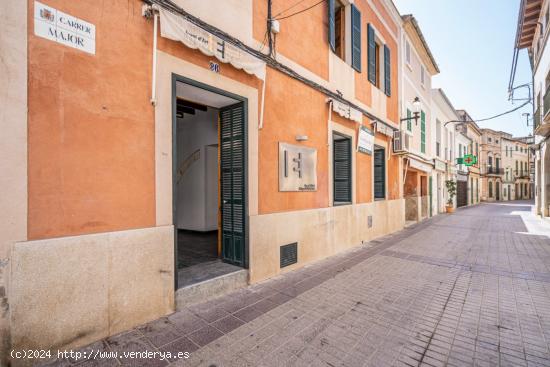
(490, 170)
(521, 174)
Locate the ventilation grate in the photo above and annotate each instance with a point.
(289, 254)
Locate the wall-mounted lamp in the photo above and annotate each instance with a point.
(301, 137)
(417, 107)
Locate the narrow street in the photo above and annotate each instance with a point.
(472, 288)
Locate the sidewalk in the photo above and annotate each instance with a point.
(472, 288)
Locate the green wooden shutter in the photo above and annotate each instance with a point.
(409, 121)
(342, 170)
(371, 57)
(331, 26)
(423, 132)
(232, 158)
(430, 195)
(387, 71)
(379, 173)
(355, 38)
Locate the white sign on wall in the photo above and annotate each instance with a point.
(57, 26)
(365, 142)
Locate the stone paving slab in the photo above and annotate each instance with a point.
(468, 289)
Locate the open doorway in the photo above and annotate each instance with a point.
(209, 182)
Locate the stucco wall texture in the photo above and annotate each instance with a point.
(91, 125)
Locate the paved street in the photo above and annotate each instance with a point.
(472, 288)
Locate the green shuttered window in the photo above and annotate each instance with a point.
(355, 38)
(331, 26)
(342, 169)
(409, 122)
(379, 173)
(387, 71)
(423, 132)
(371, 57)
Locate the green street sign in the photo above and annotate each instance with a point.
(469, 159)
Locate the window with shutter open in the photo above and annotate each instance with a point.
(341, 158)
(331, 26)
(337, 27)
(379, 173)
(355, 38)
(387, 71)
(371, 54)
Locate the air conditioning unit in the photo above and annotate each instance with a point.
(401, 141)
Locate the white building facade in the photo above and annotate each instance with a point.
(443, 119)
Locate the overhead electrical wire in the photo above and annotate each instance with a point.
(290, 7)
(492, 117)
(300, 11)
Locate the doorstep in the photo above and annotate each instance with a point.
(225, 278)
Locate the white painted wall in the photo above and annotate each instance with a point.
(443, 112)
(412, 88)
(13, 149)
(197, 199)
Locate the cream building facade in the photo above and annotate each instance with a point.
(418, 67)
(517, 170)
(473, 132)
(444, 117)
(491, 165)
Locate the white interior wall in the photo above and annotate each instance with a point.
(197, 190)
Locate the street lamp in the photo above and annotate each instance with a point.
(417, 106)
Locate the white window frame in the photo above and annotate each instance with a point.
(380, 42)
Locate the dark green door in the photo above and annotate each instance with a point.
(232, 177)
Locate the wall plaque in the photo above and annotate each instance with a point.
(63, 28)
(365, 142)
(297, 168)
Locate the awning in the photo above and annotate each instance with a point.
(383, 128)
(179, 29)
(421, 166)
(346, 111)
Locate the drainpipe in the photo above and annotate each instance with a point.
(154, 76)
(261, 124)
(329, 120)
(269, 35)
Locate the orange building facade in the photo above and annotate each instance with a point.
(133, 143)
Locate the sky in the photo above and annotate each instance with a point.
(473, 42)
